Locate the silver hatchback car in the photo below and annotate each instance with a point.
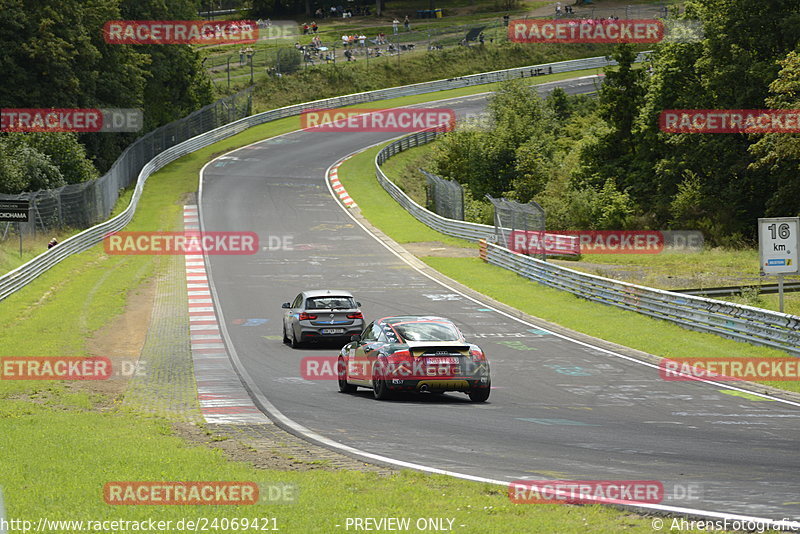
(321, 315)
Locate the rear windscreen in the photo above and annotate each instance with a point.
(330, 303)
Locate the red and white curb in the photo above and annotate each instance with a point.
(220, 393)
(338, 188)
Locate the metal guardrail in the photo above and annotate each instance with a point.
(730, 291)
(735, 321)
(452, 227)
(23, 275)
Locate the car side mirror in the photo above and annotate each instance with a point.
(358, 304)
(355, 337)
(286, 305)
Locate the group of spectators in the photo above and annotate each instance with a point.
(352, 40)
(567, 10)
(246, 52)
(396, 25)
(310, 28)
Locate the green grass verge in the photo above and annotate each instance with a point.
(627, 328)
(61, 445)
(57, 460)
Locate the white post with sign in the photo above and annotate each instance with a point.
(778, 244)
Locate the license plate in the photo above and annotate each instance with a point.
(333, 330)
(442, 360)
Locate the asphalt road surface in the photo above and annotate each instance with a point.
(559, 409)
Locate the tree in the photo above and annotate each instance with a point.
(23, 168)
(620, 98)
(62, 150)
(779, 153)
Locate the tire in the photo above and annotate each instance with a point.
(344, 387)
(293, 341)
(380, 389)
(480, 394)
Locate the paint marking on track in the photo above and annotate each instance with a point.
(220, 392)
(333, 177)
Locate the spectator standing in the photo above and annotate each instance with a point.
(407, 23)
(314, 27)
(395, 24)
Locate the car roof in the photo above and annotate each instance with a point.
(327, 293)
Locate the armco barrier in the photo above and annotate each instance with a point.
(453, 227)
(23, 275)
(735, 321)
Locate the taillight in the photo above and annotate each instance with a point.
(306, 316)
(402, 355)
(477, 354)
(402, 363)
(356, 315)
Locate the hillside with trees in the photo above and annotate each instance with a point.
(607, 165)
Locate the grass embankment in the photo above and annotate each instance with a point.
(327, 81)
(633, 330)
(61, 444)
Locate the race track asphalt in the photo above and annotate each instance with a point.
(559, 409)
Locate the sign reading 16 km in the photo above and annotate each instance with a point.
(778, 243)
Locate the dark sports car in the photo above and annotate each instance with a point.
(413, 353)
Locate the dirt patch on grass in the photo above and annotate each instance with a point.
(269, 447)
(122, 340)
(437, 248)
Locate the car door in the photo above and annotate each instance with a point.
(291, 313)
(364, 355)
